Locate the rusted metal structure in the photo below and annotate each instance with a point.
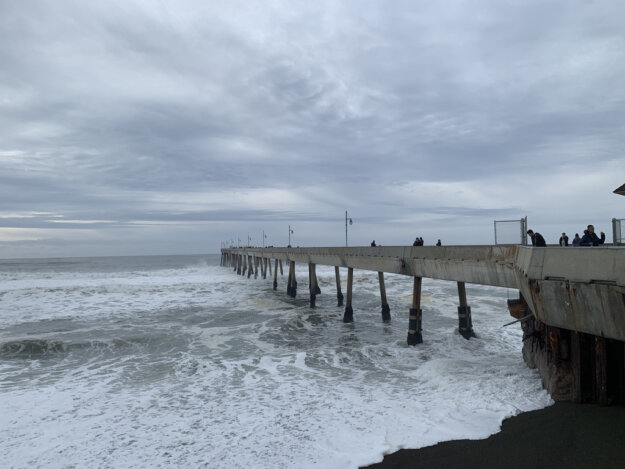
(571, 300)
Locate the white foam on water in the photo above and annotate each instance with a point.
(253, 378)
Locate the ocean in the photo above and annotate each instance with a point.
(174, 361)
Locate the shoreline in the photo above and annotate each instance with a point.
(561, 435)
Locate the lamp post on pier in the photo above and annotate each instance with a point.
(347, 218)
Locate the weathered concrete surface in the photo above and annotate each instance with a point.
(580, 289)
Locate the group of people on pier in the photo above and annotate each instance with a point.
(590, 238)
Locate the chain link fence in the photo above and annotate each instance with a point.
(618, 231)
(511, 231)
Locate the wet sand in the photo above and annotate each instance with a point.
(562, 435)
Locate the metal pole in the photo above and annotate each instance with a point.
(495, 228)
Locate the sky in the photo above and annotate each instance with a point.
(137, 127)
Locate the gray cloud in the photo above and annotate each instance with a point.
(190, 124)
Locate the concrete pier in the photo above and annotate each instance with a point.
(571, 302)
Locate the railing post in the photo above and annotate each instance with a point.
(414, 323)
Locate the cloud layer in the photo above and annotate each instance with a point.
(139, 127)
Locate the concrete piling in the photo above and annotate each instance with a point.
(275, 274)
(465, 323)
(281, 272)
(312, 284)
(386, 310)
(414, 323)
(293, 283)
(264, 260)
(255, 266)
(348, 316)
(239, 262)
(339, 294)
(601, 371)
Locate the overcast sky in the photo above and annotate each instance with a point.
(167, 127)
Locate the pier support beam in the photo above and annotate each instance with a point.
(255, 267)
(414, 323)
(249, 271)
(339, 294)
(386, 310)
(292, 285)
(239, 262)
(312, 284)
(264, 260)
(349, 311)
(601, 371)
(465, 324)
(275, 275)
(269, 265)
(281, 272)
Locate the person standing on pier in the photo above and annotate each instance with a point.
(537, 239)
(438, 243)
(373, 243)
(564, 240)
(590, 238)
(577, 240)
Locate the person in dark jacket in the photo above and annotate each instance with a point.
(537, 239)
(590, 238)
(373, 243)
(564, 240)
(577, 240)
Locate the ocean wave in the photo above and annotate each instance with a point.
(48, 348)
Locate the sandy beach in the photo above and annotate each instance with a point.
(562, 435)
